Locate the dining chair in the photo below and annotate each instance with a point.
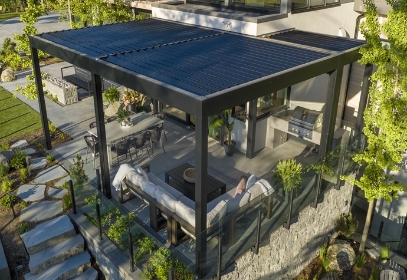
(92, 125)
(156, 135)
(92, 146)
(138, 142)
(161, 116)
(110, 119)
(122, 148)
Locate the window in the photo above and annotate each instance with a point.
(272, 102)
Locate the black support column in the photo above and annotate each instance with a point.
(101, 131)
(201, 170)
(251, 129)
(41, 98)
(330, 111)
(364, 94)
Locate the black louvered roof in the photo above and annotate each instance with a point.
(195, 59)
(322, 41)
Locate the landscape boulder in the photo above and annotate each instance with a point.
(7, 76)
(341, 256)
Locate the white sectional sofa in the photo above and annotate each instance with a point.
(179, 211)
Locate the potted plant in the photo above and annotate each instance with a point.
(217, 122)
(123, 117)
(131, 99)
(288, 173)
(111, 94)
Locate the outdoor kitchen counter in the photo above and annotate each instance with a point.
(280, 121)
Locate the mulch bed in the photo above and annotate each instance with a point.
(315, 270)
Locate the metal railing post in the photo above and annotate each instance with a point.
(72, 197)
(131, 252)
(98, 180)
(171, 274)
(314, 204)
(290, 207)
(12, 205)
(379, 235)
(99, 220)
(256, 246)
(219, 253)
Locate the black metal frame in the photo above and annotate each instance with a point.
(200, 106)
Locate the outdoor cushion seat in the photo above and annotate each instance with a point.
(173, 192)
(148, 187)
(165, 199)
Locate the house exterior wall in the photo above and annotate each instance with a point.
(287, 252)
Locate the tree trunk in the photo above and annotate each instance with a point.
(367, 226)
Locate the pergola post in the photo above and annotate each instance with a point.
(101, 131)
(364, 94)
(330, 110)
(251, 129)
(41, 98)
(201, 171)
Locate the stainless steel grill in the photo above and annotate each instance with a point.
(304, 121)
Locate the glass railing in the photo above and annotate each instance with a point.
(243, 230)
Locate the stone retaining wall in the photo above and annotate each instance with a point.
(287, 252)
(67, 93)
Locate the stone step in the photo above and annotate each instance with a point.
(56, 254)
(48, 234)
(67, 269)
(89, 274)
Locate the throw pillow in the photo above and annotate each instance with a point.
(256, 190)
(237, 202)
(250, 182)
(141, 171)
(241, 187)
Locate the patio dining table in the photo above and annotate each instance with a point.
(114, 131)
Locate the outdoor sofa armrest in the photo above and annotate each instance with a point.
(62, 73)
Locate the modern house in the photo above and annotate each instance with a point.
(290, 65)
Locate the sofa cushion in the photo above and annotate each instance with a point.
(267, 188)
(250, 182)
(255, 190)
(165, 199)
(134, 177)
(185, 212)
(188, 202)
(241, 187)
(141, 171)
(216, 213)
(154, 179)
(237, 202)
(148, 187)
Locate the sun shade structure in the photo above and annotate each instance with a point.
(200, 71)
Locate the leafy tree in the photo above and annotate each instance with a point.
(385, 116)
(7, 54)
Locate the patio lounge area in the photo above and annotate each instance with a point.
(184, 66)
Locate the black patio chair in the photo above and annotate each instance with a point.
(110, 119)
(92, 145)
(156, 135)
(138, 142)
(92, 125)
(122, 148)
(161, 116)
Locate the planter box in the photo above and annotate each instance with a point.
(67, 93)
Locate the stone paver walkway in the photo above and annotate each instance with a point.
(30, 193)
(50, 174)
(37, 163)
(42, 210)
(57, 193)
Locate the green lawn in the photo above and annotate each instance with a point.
(7, 16)
(16, 117)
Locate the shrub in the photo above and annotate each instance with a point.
(322, 256)
(360, 261)
(52, 127)
(22, 204)
(6, 185)
(65, 185)
(384, 252)
(4, 169)
(7, 200)
(161, 262)
(144, 246)
(111, 94)
(346, 225)
(375, 274)
(77, 172)
(118, 231)
(66, 201)
(49, 158)
(4, 146)
(23, 175)
(288, 172)
(18, 159)
(23, 228)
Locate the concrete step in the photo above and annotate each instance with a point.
(89, 274)
(48, 234)
(56, 254)
(67, 269)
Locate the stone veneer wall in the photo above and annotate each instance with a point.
(287, 252)
(66, 95)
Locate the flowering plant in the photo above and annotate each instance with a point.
(131, 97)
